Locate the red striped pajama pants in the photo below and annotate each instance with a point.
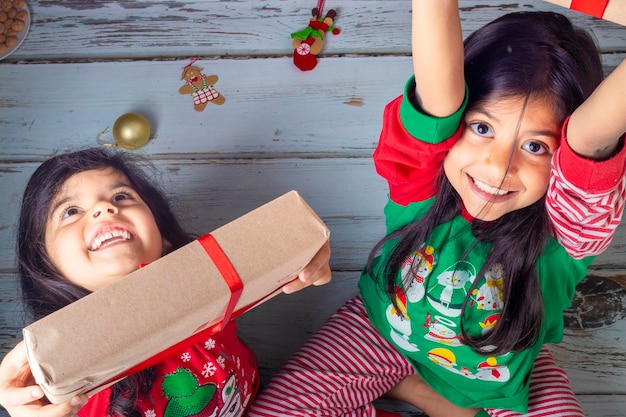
(347, 364)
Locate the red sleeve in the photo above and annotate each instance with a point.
(410, 166)
(585, 199)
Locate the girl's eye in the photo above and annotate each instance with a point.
(69, 212)
(481, 129)
(536, 148)
(121, 196)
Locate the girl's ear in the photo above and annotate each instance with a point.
(167, 247)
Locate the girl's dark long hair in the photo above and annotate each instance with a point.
(516, 55)
(44, 289)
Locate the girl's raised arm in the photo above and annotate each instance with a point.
(596, 126)
(437, 46)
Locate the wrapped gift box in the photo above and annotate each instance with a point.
(613, 10)
(116, 331)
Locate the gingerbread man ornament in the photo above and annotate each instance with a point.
(200, 87)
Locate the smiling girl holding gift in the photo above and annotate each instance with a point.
(88, 219)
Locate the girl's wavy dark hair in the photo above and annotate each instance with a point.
(44, 289)
(517, 55)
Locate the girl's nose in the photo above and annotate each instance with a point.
(502, 160)
(104, 207)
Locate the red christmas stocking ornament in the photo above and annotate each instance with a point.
(308, 42)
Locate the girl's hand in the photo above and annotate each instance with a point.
(21, 397)
(317, 272)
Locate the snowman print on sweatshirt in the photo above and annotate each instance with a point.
(441, 296)
(415, 269)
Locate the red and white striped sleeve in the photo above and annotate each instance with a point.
(585, 200)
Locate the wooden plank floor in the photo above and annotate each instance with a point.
(84, 63)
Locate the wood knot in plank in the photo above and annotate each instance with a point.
(598, 302)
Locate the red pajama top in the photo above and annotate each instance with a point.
(216, 375)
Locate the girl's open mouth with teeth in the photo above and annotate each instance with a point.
(488, 189)
(109, 237)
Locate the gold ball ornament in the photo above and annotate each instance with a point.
(131, 131)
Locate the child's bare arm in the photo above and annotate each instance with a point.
(413, 390)
(596, 126)
(437, 46)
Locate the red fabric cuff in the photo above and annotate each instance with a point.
(588, 174)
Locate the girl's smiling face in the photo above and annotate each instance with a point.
(497, 169)
(99, 229)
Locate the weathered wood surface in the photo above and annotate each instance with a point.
(85, 62)
(148, 29)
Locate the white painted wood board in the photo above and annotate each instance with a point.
(140, 29)
(271, 107)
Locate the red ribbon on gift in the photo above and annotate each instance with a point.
(594, 8)
(228, 272)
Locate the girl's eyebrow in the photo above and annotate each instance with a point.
(546, 132)
(55, 206)
(120, 185)
(484, 112)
